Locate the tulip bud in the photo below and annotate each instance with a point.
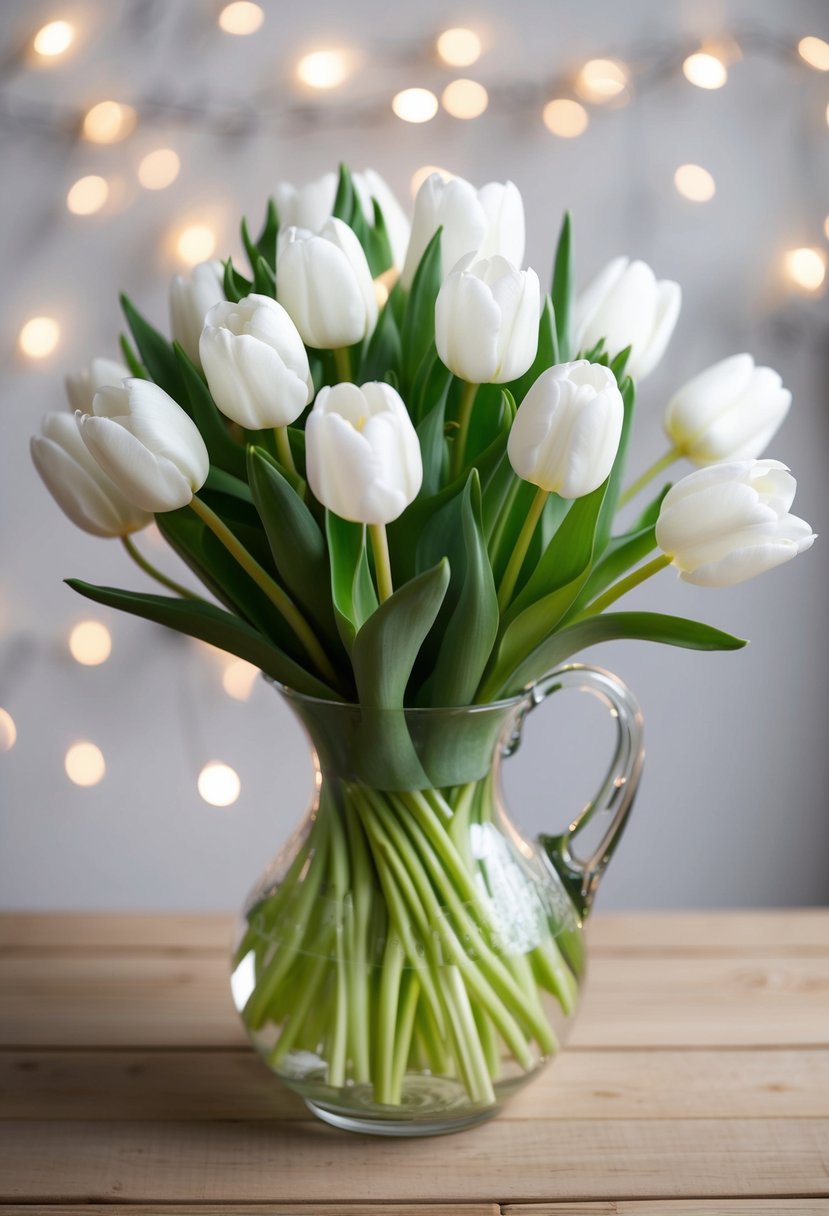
(485, 222)
(325, 284)
(362, 451)
(727, 523)
(82, 386)
(728, 412)
(255, 363)
(486, 320)
(147, 444)
(191, 298)
(78, 484)
(567, 429)
(626, 306)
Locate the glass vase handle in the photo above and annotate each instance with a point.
(612, 804)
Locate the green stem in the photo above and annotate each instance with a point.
(623, 586)
(150, 569)
(280, 600)
(516, 560)
(283, 448)
(382, 562)
(664, 462)
(464, 419)
(342, 362)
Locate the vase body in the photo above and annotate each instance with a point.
(409, 960)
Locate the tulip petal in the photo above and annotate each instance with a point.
(150, 482)
(591, 299)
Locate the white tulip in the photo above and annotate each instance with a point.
(255, 363)
(567, 429)
(191, 298)
(727, 523)
(78, 484)
(370, 185)
(728, 412)
(82, 386)
(147, 444)
(362, 451)
(485, 222)
(627, 306)
(324, 282)
(486, 320)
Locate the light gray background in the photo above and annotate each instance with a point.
(733, 809)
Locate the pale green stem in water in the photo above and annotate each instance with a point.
(280, 600)
(516, 560)
(623, 586)
(464, 419)
(382, 562)
(150, 569)
(283, 448)
(664, 462)
(342, 362)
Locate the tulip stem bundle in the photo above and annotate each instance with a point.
(664, 462)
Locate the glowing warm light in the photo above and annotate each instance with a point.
(695, 183)
(415, 105)
(88, 195)
(196, 243)
(381, 293)
(90, 643)
(806, 268)
(459, 47)
(705, 70)
(219, 784)
(241, 17)
(815, 52)
(39, 337)
(159, 169)
(8, 731)
(826, 227)
(108, 121)
(323, 69)
(84, 764)
(565, 117)
(601, 80)
(238, 679)
(53, 39)
(465, 99)
(419, 176)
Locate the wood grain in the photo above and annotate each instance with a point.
(674, 1207)
(200, 1086)
(503, 1161)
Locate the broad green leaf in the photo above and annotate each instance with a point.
(236, 285)
(546, 355)
(418, 330)
(297, 544)
(213, 625)
(609, 626)
(136, 368)
(617, 473)
(264, 279)
(222, 448)
(431, 433)
(383, 351)
(225, 483)
(352, 588)
(156, 353)
(562, 294)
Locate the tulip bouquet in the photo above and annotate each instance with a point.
(410, 504)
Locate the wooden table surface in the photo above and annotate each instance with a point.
(696, 1081)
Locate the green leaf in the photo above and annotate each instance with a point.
(213, 625)
(383, 351)
(156, 352)
(352, 588)
(222, 448)
(345, 197)
(264, 279)
(265, 244)
(563, 290)
(418, 330)
(607, 627)
(617, 473)
(471, 605)
(546, 355)
(378, 245)
(297, 544)
(136, 368)
(221, 482)
(432, 436)
(236, 285)
(387, 645)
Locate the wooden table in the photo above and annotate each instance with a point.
(697, 1081)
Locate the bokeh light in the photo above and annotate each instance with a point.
(87, 195)
(695, 183)
(84, 764)
(465, 99)
(195, 243)
(8, 731)
(323, 69)
(415, 105)
(459, 47)
(39, 337)
(53, 39)
(242, 17)
(219, 784)
(815, 52)
(159, 169)
(705, 70)
(805, 268)
(90, 643)
(602, 80)
(565, 117)
(108, 122)
(239, 678)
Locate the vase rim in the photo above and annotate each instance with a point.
(291, 694)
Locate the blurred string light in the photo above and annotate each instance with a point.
(219, 784)
(159, 169)
(87, 195)
(53, 39)
(459, 48)
(84, 764)
(695, 183)
(826, 227)
(8, 731)
(815, 52)
(239, 678)
(602, 80)
(39, 337)
(195, 243)
(805, 268)
(323, 69)
(108, 122)
(242, 17)
(465, 99)
(90, 643)
(564, 117)
(705, 69)
(415, 105)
